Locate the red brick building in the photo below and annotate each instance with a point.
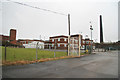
(11, 38)
(48, 45)
(61, 42)
(57, 42)
(86, 43)
(4, 38)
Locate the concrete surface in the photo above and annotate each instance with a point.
(99, 65)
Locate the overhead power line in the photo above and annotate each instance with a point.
(38, 8)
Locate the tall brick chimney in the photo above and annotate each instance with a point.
(101, 30)
(12, 34)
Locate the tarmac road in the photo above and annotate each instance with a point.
(99, 65)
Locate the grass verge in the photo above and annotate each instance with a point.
(20, 56)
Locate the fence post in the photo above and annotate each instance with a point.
(55, 47)
(68, 45)
(54, 53)
(79, 45)
(5, 52)
(36, 50)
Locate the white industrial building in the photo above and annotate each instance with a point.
(33, 44)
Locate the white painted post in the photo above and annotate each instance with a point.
(68, 45)
(79, 44)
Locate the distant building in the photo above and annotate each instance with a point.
(4, 38)
(57, 42)
(86, 44)
(61, 42)
(48, 44)
(33, 44)
(108, 45)
(27, 43)
(11, 38)
(20, 42)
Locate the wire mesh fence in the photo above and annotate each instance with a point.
(31, 52)
(39, 50)
(74, 46)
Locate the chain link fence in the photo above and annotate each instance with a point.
(31, 52)
(74, 46)
(39, 50)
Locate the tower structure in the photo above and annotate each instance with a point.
(12, 34)
(101, 30)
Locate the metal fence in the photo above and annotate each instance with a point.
(31, 52)
(37, 50)
(74, 46)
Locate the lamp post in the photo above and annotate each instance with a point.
(91, 37)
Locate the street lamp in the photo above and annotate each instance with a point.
(91, 37)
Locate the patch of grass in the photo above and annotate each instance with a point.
(29, 54)
(21, 54)
(82, 53)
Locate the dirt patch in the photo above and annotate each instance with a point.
(30, 62)
(7, 63)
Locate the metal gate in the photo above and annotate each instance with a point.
(75, 43)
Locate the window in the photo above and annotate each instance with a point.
(83, 46)
(65, 39)
(90, 42)
(76, 41)
(87, 42)
(58, 39)
(52, 40)
(58, 45)
(76, 45)
(52, 45)
(28, 42)
(64, 45)
(83, 42)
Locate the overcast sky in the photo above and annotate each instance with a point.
(30, 23)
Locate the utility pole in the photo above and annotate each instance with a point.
(69, 34)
